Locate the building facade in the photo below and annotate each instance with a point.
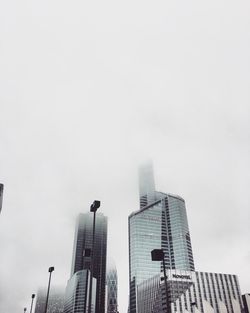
(82, 260)
(190, 291)
(246, 302)
(77, 293)
(161, 223)
(112, 288)
(55, 301)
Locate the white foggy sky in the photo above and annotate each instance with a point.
(89, 90)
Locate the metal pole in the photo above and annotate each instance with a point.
(1, 196)
(166, 286)
(47, 298)
(92, 265)
(32, 299)
(192, 307)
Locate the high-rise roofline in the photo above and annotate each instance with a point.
(157, 201)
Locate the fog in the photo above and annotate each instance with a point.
(89, 91)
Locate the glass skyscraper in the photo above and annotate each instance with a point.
(112, 286)
(77, 293)
(161, 223)
(81, 261)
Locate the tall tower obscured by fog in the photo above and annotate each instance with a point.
(81, 261)
(146, 184)
(112, 287)
(161, 223)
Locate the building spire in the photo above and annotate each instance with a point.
(146, 184)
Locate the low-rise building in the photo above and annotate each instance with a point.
(190, 291)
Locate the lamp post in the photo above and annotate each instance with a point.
(1, 196)
(93, 208)
(192, 305)
(158, 255)
(51, 269)
(32, 300)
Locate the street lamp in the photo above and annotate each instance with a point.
(32, 299)
(1, 196)
(51, 269)
(158, 255)
(192, 304)
(93, 208)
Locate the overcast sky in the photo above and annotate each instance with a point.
(88, 91)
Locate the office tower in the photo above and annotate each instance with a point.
(55, 302)
(246, 302)
(77, 293)
(112, 286)
(146, 185)
(161, 223)
(82, 260)
(190, 291)
(1, 196)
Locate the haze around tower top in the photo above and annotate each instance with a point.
(91, 90)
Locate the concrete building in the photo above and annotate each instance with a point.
(190, 291)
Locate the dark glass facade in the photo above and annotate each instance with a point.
(83, 241)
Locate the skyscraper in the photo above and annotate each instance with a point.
(112, 286)
(146, 185)
(161, 223)
(77, 293)
(81, 261)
